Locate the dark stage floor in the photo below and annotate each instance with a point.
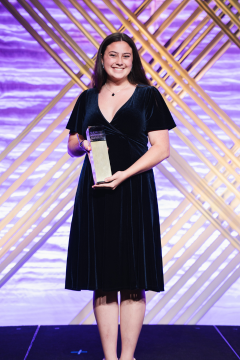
(163, 342)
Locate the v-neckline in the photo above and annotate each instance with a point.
(109, 122)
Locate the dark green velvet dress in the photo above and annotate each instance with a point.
(114, 240)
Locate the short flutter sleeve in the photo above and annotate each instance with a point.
(157, 113)
(77, 116)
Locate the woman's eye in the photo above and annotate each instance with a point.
(125, 56)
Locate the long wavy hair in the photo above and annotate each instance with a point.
(137, 74)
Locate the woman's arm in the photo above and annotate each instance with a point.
(159, 151)
(73, 145)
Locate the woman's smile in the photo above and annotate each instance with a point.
(118, 69)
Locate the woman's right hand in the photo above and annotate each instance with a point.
(86, 146)
(73, 145)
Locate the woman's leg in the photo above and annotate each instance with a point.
(132, 311)
(105, 306)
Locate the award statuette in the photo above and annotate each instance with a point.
(98, 156)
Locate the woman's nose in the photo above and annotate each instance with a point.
(119, 61)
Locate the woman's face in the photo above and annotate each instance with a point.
(117, 60)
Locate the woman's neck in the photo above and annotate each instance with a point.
(117, 83)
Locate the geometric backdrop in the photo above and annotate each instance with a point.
(190, 51)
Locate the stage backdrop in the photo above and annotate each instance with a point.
(190, 51)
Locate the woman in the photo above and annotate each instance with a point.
(115, 235)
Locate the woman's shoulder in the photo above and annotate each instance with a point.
(88, 92)
(85, 95)
(91, 90)
(149, 92)
(147, 88)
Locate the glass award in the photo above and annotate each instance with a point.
(98, 156)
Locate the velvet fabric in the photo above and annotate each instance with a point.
(114, 239)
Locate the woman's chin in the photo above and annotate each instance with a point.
(118, 76)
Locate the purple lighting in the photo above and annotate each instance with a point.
(30, 80)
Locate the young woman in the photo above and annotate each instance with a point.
(114, 241)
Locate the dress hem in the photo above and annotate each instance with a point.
(149, 288)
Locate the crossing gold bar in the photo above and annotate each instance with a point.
(98, 156)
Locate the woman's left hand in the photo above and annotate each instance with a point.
(112, 182)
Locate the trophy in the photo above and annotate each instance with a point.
(98, 156)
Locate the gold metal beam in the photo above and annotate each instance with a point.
(185, 43)
(213, 168)
(181, 281)
(90, 319)
(190, 251)
(25, 200)
(178, 225)
(168, 20)
(77, 23)
(96, 11)
(199, 206)
(38, 118)
(228, 11)
(206, 192)
(45, 222)
(212, 61)
(33, 147)
(83, 313)
(176, 36)
(236, 4)
(40, 40)
(70, 84)
(196, 120)
(174, 215)
(199, 123)
(212, 136)
(202, 55)
(35, 247)
(154, 17)
(33, 214)
(38, 161)
(209, 11)
(184, 239)
(61, 31)
(184, 27)
(57, 40)
(201, 280)
(205, 143)
(232, 265)
(170, 60)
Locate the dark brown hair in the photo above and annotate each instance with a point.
(137, 74)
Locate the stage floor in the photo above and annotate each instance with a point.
(162, 342)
